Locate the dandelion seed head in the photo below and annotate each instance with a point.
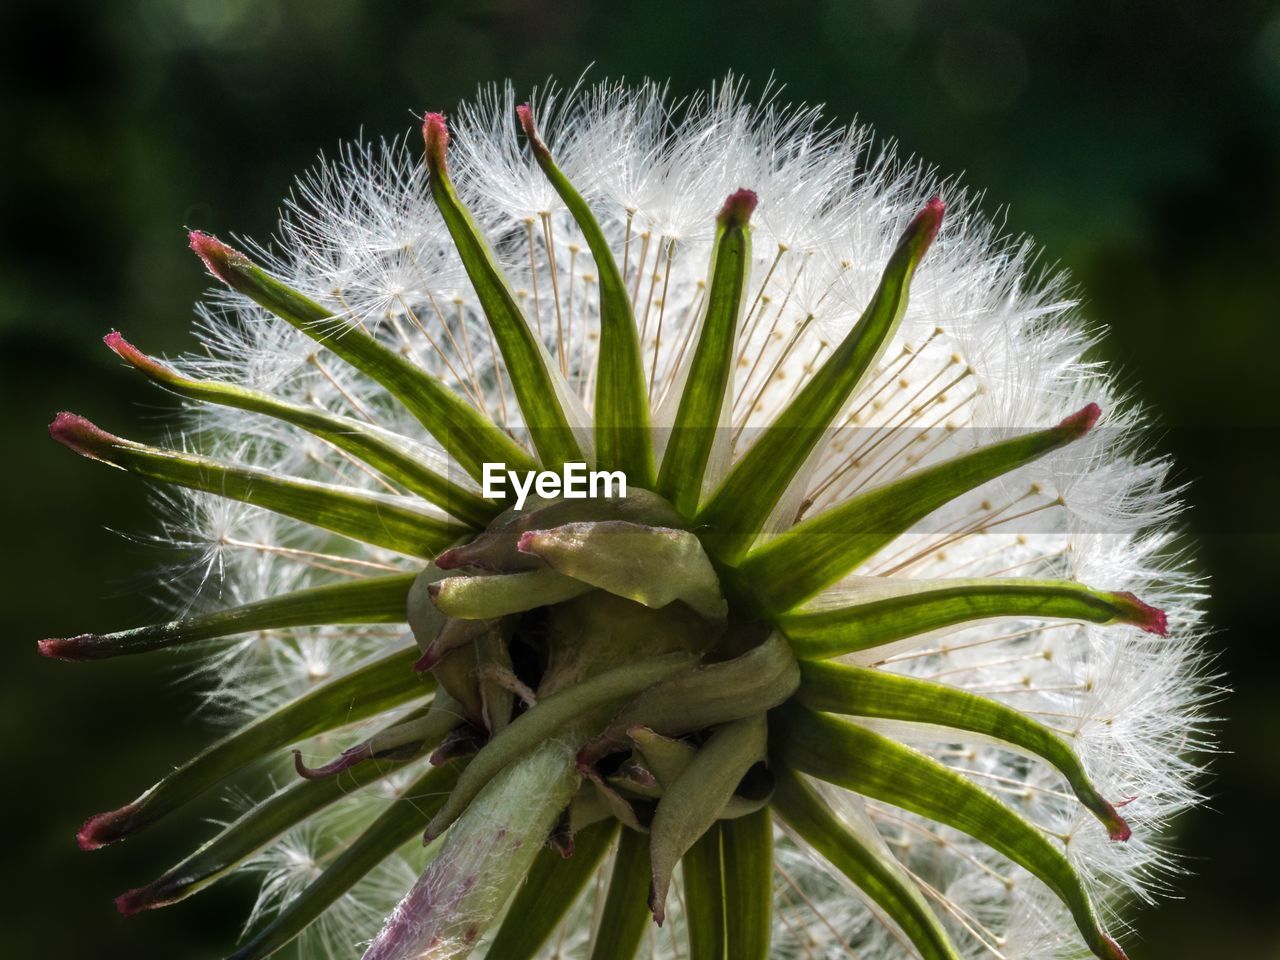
(991, 344)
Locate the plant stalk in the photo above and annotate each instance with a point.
(482, 858)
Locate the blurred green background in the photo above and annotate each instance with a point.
(1139, 142)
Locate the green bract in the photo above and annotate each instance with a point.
(631, 688)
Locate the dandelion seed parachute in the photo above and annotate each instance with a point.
(859, 437)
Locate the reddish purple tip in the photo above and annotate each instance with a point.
(217, 256)
(526, 120)
(131, 355)
(344, 761)
(452, 559)
(131, 902)
(1082, 421)
(134, 901)
(76, 433)
(1117, 953)
(105, 828)
(638, 774)
(71, 649)
(435, 134)
(738, 208)
(1118, 828)
(525, 113)
(527, 544)
(1144, 615)
(656, 906)
(426, 661)
(926, 224)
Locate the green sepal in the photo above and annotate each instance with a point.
(654, 566)
(395, 457)
(539, 387)
(790, 568)
(897, 610)
(469, 436)
(746, 850)
(621, 408)
(710, 376)
(404, 740)
(861, 692)
(616, 805)
(489, 597)
(586, 809)
(691, 805)
(393, 828)
(367, 600)
(702, 870)
(549, 891)
(251, 832)
(497, 548)
(455, 672)
(738, 509)
(395, 523)
(551, 716)
(493, 660)
(666, 757)
(425, 621)
(453, 635)
(364, 692)
(625, 915)
(853, 757)
(714, 693)
(865, 861)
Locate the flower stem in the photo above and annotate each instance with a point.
(482, 858)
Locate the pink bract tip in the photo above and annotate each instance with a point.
(525, 113)
(135, 901)
(928, 221)
(63, 648)
(104, 828)
(1117, 952)
(1082, 421)
(435, 134)
(215, 254)
(1118, 828)
(344, 761)
(451, 559)
(1143, 615)
(738, 208)
(131, 355)
(526, 543)
(76, 433)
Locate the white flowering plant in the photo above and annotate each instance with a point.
(850, 662)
